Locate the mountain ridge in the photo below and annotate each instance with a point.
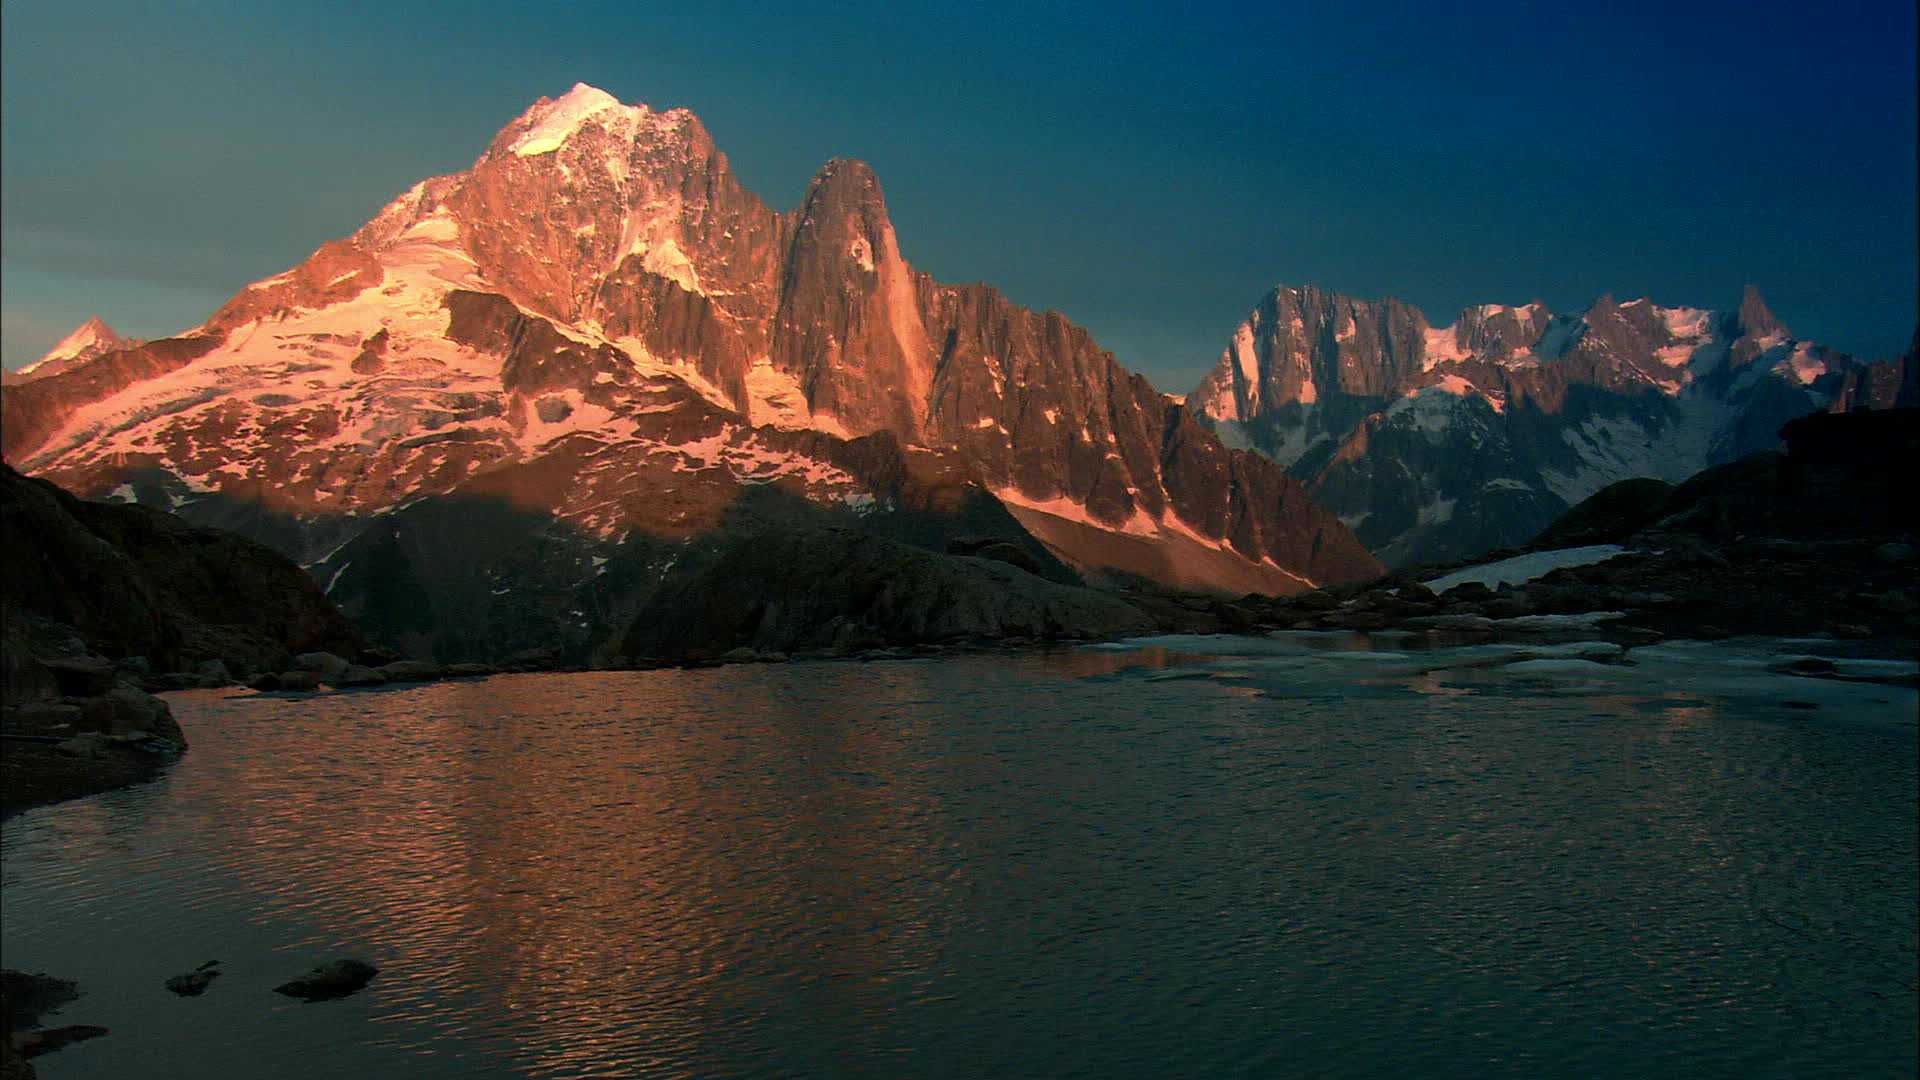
(599, 302)
(1435, 443)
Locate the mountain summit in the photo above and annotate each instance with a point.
(88, 340)
(1438, 443)
(597, 327)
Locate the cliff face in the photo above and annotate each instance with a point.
(1436, 443)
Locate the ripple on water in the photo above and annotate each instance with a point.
(1339, 863)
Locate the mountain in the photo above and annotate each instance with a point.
(510, 400)
(1437, 443)
(88, 340)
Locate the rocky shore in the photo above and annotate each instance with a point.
(107, 605)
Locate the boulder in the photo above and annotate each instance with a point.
(81, 676)
(411, 671)
(137, 710)
(469, 671)
(355, 675)
(1472, 592)
(1318, 600)
(87, 745)
(325, 664)
(46, 715)
(298, 680)
(328, 981)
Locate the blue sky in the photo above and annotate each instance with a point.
(1149, 170)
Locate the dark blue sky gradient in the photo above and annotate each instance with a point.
(1148, 170)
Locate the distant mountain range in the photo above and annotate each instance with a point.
(1437, 443)
(502, 413)
(507, 402)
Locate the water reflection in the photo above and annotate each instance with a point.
(1058, 864)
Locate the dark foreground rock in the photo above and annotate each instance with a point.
(34, 1043)
(837, 590)
(134, 581)
(1818, 540)
(25, 1000)
(329, 981)
(105, 601)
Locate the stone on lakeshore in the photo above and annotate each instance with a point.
(214, 672)
(324, 664)
(87, 744)
(357, 675)
(81, 676)
(298, 680)
(411, 671)
(137, 710)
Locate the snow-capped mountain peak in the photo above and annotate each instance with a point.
(86, 341)
(596, 321)
(1439, 443)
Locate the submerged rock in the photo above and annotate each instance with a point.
(195, 982)
(34, 1043)
(329, 981)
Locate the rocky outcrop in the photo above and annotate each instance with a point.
(105, 601)
(1609, 516)
(135, 581)
(838, 590)
(25, 1000)
(1438, 443)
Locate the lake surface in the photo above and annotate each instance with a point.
(1183, 857)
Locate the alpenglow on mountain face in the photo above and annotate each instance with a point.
(88, 340)
(1438, 443)
(596, 335)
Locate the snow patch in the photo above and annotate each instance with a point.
(1524, 568)
(1441, 346)
(561, 119)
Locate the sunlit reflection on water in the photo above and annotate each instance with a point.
(1091, 862)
